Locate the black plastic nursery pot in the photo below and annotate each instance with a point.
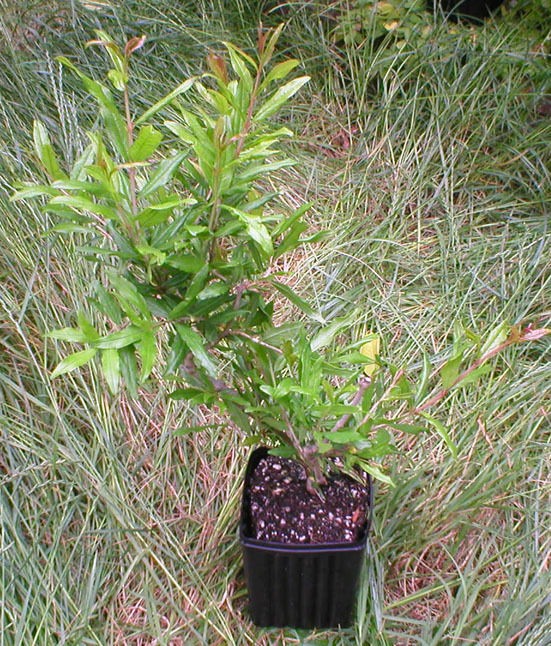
(300, 585)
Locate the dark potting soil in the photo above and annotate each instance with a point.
(283, 511)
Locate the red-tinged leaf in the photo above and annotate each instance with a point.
(133, 44)
(534, 335)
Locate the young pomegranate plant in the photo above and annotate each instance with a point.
(184, 231)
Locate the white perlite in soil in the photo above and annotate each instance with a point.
(282, 510)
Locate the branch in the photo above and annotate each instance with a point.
(363, 385)
(515, 336)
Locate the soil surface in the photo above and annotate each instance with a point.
(282, 510)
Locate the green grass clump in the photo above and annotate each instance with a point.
(434, 181)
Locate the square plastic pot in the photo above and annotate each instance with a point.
(299, 586)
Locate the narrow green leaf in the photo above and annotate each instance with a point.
(279, 71)
(292, 296)
(69, 334)
(176, 356)
(35, 190)
(237, 60)
(280, 97)
(290, 221)
(166, 100)
(162, 175)
(87, 327)
(186, 263)
(120, 339)
(475, 375)
(145, 145)
(413, 429)
(147, 349)
(342, 437)
(45, 152)
(375, 472)
(442, 431)
(84, 204)
(423, 380)
(78, 171)
(495, 338)
(260, 234)
(328, 333)
(129, 369)
(272, 42)
(450, 370)
(74, 361)
(128, 295)
(196, 345)
(110, 365)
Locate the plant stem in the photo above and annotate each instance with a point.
(363, 385)
(515, 336)
(130, 141)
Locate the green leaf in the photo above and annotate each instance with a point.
(147, 348)
(475, 375)
(328, 333)
(237, 60)
(495, 338)
(272, 42)
(70, 334)
(197, 347)
(128, 296)
(163, 174)
(186, 263)
(280, 97)
(450, 370)
(120, 339)
(413, 429)
(375, 472)
(84, 204)
(35, 190)
(118, 79)
(166, 100)
(74, 361)
(442, 431)
(145, 144)
(292, 296)
(45, 152)
(195, 287)
(342, 437)
(129, 369)
(110, 365)
(87, 327)
(78, 171)
(423, 380)
(279, 71)
(260, 234)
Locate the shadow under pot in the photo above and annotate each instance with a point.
(473, 9)
(302, 556)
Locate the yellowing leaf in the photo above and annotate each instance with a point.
(370, 350)
(392, 25)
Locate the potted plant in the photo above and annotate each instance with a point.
(185, 234)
